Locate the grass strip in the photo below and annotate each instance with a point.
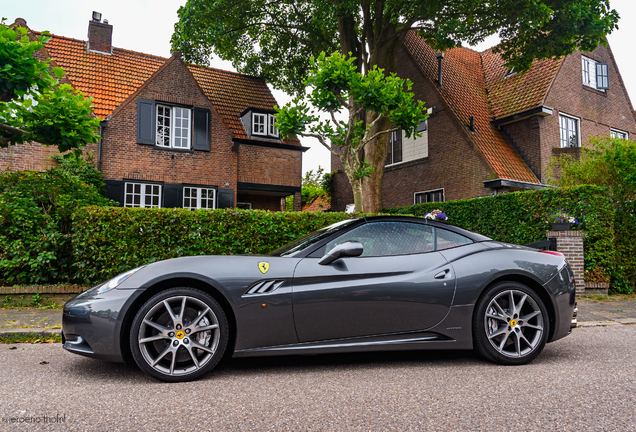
(33, 338)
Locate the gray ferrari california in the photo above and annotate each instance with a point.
(367, 284)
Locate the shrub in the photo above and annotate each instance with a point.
(82, 168)
(35, 223)
(609, 162)
(108, 241)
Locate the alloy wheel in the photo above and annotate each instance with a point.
(179, 335)
(514, 323)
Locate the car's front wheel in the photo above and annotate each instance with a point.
(179, 335)
(511, 324)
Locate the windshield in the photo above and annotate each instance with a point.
(299, 245)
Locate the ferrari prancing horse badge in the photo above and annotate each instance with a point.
(263, 267)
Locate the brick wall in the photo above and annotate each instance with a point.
(266, 165)
(32, 157)
(525, 136)
(570, 244)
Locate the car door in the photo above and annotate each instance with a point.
(399, 284)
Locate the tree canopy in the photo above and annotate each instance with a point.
(275, 38)
(34, 105)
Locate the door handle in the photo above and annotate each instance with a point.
(442, 274)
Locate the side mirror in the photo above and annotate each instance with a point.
(346, 249)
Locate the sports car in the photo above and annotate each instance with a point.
(366, 284)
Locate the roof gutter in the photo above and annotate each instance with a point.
(497, 183)
(102, 125)
(541, 111)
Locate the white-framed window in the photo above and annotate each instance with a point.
(142, 195)
(394, 153)
(570, 131)
(199, 198)
(595, 74)
(173, 127)
(244, 205)
(436, 195)
(273, 130)
(259, 124)
(615, 133)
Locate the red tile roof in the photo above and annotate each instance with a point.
(518, 92)
(108, 79)
(465, 92)
(231, 93)
(319, 204)
(111, 79)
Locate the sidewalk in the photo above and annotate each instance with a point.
(613, 311)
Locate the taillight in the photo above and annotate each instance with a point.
(553, 253)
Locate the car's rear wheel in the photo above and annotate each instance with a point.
(179, 335)
(511, 324)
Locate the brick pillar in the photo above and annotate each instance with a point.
(570, 244)
(297, 201)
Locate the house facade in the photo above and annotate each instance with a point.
(173, 134)
(491, 130)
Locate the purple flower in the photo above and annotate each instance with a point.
(442, 216)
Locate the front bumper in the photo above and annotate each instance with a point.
(92, 323)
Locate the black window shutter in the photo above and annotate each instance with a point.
(172, 195)
(201, 133)
(115, 190)
(226, 198)
(145, 122)
(602, 76)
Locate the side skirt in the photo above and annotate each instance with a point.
(395, 342)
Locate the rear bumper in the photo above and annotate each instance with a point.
(563, 290)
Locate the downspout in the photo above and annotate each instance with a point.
(102, 125)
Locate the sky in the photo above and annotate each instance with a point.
(147, 26)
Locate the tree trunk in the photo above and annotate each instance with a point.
(375, 151)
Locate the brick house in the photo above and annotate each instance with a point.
(173, 134)
(491, 130)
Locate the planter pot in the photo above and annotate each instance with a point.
(561, 226)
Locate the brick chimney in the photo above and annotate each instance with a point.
(100, 35)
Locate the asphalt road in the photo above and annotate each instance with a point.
(585, 382)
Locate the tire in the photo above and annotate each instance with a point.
(510, 336)
(174, 343)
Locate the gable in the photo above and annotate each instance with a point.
(610, 108)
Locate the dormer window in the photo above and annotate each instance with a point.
(259, 123)
(273, 130)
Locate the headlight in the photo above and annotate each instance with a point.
(114, 282)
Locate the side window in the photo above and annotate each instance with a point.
(389, 238)
(448, 239)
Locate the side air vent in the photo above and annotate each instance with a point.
(264, 287)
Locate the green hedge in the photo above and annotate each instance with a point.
(108, 241)
(523, 217)
(35, 224)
